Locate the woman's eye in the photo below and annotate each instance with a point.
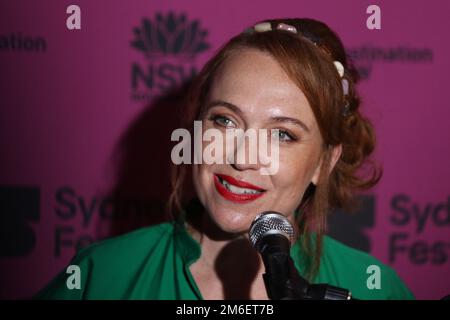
(223, 121)
(284, 136)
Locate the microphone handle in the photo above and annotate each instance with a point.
(283, 281)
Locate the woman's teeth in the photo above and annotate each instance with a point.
(237, 190)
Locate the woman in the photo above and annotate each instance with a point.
(290, 77)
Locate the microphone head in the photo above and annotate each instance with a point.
(270, 222)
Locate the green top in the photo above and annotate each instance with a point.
(153, 263)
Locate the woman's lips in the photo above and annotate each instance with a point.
(238, 183)
(235, 190)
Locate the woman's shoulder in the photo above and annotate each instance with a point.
(107, 268)
(131, 243)
(333, 248)
(363, 274)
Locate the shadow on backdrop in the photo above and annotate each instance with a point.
(142, 162)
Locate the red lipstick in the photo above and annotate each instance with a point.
(235, 197)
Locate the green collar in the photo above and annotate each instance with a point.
(190, 249)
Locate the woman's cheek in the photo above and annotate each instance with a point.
(198, 175)
(293, 173)
(290, 165)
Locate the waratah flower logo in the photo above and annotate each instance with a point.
(170, 35)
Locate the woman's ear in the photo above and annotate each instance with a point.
(332, 155)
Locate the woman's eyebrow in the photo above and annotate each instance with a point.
(225, 104)
(293, 121)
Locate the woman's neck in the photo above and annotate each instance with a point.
(229, 267)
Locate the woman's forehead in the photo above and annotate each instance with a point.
(254, 65)
(253, 78)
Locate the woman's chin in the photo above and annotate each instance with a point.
(232, 222)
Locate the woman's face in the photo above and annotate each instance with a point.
(251, 91)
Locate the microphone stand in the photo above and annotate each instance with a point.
(282, 285)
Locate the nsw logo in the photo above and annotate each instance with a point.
(169, 44)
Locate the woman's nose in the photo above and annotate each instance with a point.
(251, 152)
(245, 155)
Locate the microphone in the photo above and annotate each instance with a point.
(271, 234)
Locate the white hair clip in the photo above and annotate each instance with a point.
(287, 27)
(345, 86)
(263, 27)
(339, 68)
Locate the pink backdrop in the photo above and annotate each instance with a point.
(74, 136)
